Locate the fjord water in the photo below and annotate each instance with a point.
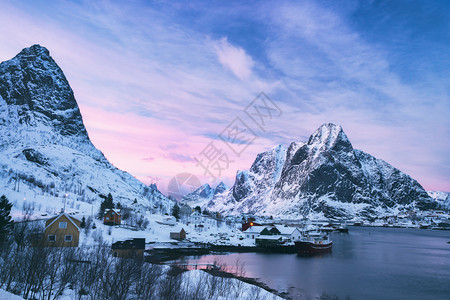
(366, 263)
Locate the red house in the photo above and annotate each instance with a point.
(112, 217)
(250, 222)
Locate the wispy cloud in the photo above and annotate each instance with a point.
(148, 158)
(179, 157)
(234, 58)
(164, 80)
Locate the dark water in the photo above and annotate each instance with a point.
(366, 263)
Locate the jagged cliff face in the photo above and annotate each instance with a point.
(35, 96)
(44, 140)
(323, 177)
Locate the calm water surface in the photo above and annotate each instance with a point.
(366, 263)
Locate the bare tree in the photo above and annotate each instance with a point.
(67, 270)
(170, 286)
(145, 287)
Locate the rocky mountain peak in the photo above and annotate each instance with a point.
(34, 93)
(33, 52)
(44, 143)
(330, 136)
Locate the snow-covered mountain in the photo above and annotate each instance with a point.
(442, 198)
(202, 195)
(324, 177)
(44, 145)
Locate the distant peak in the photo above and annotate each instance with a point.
(221, 184)
(35, 50)
(331, 136)
(206, 186)
(220, 188)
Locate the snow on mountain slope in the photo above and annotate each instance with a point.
(202, 195)
(44, 144)
(442, 198)
(324, 177)
(255, 185)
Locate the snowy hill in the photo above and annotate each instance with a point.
(45, 149)
(324, 177)
(442, 198)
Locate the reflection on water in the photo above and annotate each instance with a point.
(367, 263)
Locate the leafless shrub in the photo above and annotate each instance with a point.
(88, 226)
(28, 209)
(170, 285)
(92, 273)
(255, 292)
(145, 287)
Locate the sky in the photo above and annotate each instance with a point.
(201, 87)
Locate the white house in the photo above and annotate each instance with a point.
(253, 231)
(196, 218)
(292, 233)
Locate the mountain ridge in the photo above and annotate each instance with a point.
(324, 177)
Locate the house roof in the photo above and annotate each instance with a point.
(254, 229)
(185, 209)
(60, 215)
(137, 243)
(268, 237)
(114, 210)
(285, 230)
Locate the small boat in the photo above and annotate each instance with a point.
(313, 243)
(327, 228)
(342, 228)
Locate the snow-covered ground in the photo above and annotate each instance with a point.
(34, 206)
(27, 203)
(159, 235)
(4, 295)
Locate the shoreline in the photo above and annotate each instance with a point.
(164, 255)
(249, 280)
(160, 255)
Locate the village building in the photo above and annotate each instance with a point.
(178, 235)
(129, 249)
(60, 231)
(253, 231)
(268, 240)
(269, 231)
(196, 218)
(112, 217)
(185, 211)
(291, 233)
(250, 222)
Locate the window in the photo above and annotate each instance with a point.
(62, 224)
(52, 238)
(107, 218)
(67, 238)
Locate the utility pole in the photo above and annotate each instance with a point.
(65, 199)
